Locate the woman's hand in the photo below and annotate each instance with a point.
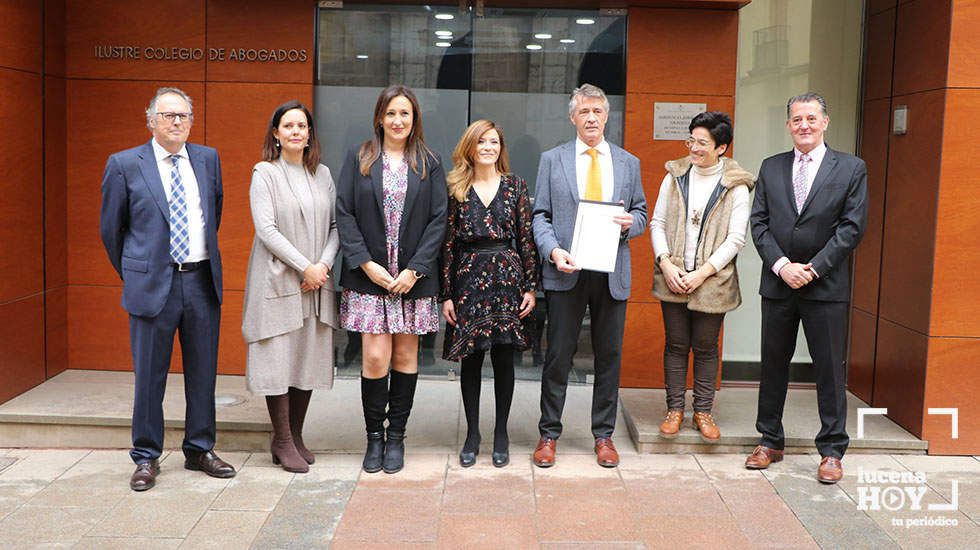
(674, 276)
(527, 304)
(403, 283)
(377, 274)
(315, 276)
(449, 312)
(694, 278)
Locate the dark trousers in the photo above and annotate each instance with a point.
(685, 331)
(825, 326)
(192, 310)
(566, 310)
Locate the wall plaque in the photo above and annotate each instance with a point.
(670, 120)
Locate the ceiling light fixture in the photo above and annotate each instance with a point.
(533, 47)
(585, 21)
(542, 36)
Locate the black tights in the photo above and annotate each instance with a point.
(502, 359)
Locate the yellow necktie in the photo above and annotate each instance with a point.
(593, 181)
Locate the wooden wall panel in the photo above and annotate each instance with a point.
(910, 213)
(98, 329)
(879, 51)
(54, 37)
(952, 382)
(964, 50)
(162, 24)
(249, 24)
(643, 347)
(21, 345)
(56, 331)
(875, 131)
(861, 356)
(655, 63)
(20, 41)
(231, 346)
(875, 6)
(55, 183)
(900, 374)
(955, 293)
(239, 115)
(21, 186)
(88, 150)
(920, 64)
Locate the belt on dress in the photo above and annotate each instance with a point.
(487, 245)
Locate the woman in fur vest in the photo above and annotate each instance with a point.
(697, 228)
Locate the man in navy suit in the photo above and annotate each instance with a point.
(588, 168)
(161, 208)
(809, 214)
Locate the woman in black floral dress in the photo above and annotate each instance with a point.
(489, 277)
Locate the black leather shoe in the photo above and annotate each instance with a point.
(145, 476)
(210, 464)
(375, 453)
(501, 459)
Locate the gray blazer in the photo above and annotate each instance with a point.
(556, 203)
(285, 244)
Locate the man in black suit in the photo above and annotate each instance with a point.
(809, 214)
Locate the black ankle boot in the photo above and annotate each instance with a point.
(394, 459)
(375, 453)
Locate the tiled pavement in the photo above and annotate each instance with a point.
(80, 498)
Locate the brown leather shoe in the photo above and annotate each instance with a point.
(762, 457)
(672, 423)
(145, 476)
(544, 453)
(605, 453)
(704, 423)
(830, 470)
(210, 464)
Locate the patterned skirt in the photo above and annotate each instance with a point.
(387, 313)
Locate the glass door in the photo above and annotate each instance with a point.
(513, 66)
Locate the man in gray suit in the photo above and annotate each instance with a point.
(588, 168)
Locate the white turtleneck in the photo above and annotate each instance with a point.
(701, 184)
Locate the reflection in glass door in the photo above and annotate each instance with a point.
(513, 66)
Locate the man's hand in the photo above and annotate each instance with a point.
(796, 275)
(625, 220)
(527, 304)
(563, 261)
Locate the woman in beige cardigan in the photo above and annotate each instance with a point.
(698, 227)
(290, 308)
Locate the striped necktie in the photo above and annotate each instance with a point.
(179, 239)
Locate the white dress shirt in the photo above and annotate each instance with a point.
(816, 157)
(583, 162)
(195, 213)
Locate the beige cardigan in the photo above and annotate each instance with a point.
(285, 245)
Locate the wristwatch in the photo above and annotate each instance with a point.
(661, 257)
(418, 274)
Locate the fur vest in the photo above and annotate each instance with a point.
(718, 293)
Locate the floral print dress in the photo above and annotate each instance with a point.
(486, 286)
(389, 313)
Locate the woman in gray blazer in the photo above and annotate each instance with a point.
(290, 309)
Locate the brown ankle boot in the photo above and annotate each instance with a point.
(672, 423)
(704, 423)
(283, 450)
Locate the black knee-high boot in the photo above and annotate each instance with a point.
(469, 385)
(502, 357)
(401, 395)
(374, 399)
